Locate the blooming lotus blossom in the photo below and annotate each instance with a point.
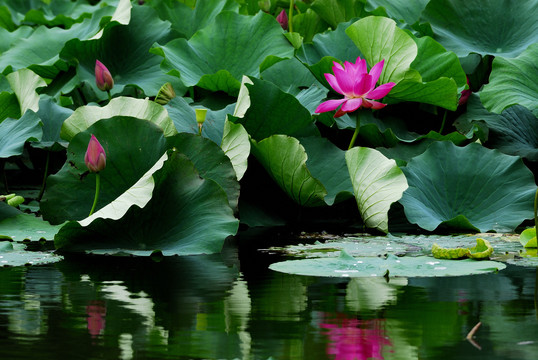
(358, 87)
(103, 78)
(95, 157)
(282, 19)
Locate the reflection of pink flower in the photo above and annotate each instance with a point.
(353, 339)
(96, 317)
(358, 87)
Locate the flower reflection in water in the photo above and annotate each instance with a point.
(353, 339)
(96, 312)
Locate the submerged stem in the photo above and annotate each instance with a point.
(97, 186)
(356, 133)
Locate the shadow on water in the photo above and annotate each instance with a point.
(230, 306)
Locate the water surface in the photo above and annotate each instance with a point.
(230, 306)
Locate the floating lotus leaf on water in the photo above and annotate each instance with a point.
(482, 250)
(13, 254)
(420, 266)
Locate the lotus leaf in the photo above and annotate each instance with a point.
(14, 133)
(512, 82)
(528, 238)
(467, 187)
(377, 183)
(226, 41)
(20, 257)
(420, 266)
(85, 116)
(421, 68)
(186, 215)
(70, 192)
(124, 50)
(482, 250)
(492, 27)
(284, 158)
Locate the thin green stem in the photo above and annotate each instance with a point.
(97, 186)
(535, 210)
(290, 17)
(356, 133)
(109, 95)
(443, 123)
(44, 177)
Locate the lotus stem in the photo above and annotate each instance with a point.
(97, 186)
(44, 177)
(109, 95)
(535, 210)
(290, 17)
(443, 122)
(356, 133)
(470, 335)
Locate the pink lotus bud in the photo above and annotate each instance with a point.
(103, 78)
(95, 157)
(282, 19)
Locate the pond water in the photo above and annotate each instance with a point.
(231, 306)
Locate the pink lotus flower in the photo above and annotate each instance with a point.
(282, 19)
(95, 157)
(358, 87)
(103, 78)
(96, 312)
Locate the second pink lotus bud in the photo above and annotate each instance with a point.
(95, 157)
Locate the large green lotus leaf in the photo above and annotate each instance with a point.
(379, 38)
(24, 83)
(236, 145)
(327, 163)
(335, 12)
(186, 215)
(9, 106)
(85, 116)
(14, 255)
(284, 158)
(210, 162)
(63, 13)
(400, 10)
(40, 51)
(308, 24)
(187, 20)
(132, 147)
(494, 27)
(184, 118)
(377, 183)
(18, 226)
(469, 187)
(514, 132)
(513, 81)
(225, 42)
(303, 85)
(420, 266)
(124, 50)
(52, 116)
(14, 133)
(12, 38)
(264, 110)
